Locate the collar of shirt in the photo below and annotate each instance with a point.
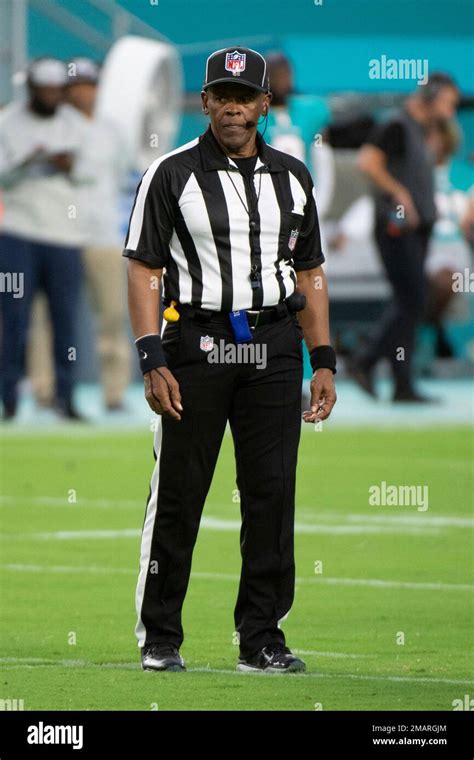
(213, 157)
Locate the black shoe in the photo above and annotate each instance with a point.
(274, 658)
(444, 349)
(66, 409)
(362, 375)
(162, 657)
(412, 397)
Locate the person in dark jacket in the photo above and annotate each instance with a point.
(397, 160)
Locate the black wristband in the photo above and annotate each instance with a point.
(150, 352)
(323, 357)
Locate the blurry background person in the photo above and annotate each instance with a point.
(449, 248)
(100, 173)
(40, 236)
(345, 205)
(397, 160)
(294, 119)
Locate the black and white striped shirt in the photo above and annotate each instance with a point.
(196, 216)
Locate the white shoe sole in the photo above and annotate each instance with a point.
(172, 669)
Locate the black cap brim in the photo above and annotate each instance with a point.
(232, 80)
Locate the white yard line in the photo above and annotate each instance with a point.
(61, 501)
(336, 655)
(72, 535)
(20, 568)
(375, 583)
(232, 526)
(29, 662)
(317, 580)
(214, 523)
(424, 520)
(355, 676)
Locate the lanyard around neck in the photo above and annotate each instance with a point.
(239, 195)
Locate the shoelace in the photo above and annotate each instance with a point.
(163, 649)
(276, 649)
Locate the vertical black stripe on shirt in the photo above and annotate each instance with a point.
(192, 258)
(216, 207)
(171, 280)
(282, 188)
(281, 284)
(131, 212)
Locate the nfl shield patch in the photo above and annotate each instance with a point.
(235, 62)
(207, 343)
(293, 238)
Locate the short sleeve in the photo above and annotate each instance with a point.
(389, 137)
(151, 221)
(307, 253)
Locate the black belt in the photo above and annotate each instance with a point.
(256, 317)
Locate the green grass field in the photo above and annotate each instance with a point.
(388, 572)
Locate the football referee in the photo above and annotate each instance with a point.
(232, 225)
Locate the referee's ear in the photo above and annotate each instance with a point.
(204, 97)
(267, 99)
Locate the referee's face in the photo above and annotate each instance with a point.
(234, 110)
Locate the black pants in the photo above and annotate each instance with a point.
(263, 407)
(403, 258)
(58, 271)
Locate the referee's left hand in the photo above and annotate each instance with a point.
(323, 396)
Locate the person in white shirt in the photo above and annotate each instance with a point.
(99, 173)
(449, 248)
(40, 233)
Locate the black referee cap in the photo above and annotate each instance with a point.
(237, 64)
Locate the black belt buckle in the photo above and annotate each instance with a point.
(274, 313)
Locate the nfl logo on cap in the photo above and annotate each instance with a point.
(235, 62)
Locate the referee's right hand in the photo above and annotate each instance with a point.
(162, 392)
